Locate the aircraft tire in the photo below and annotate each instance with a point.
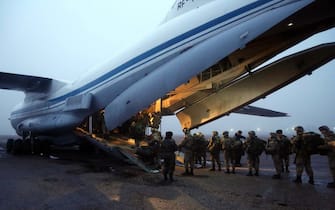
(37, 147)
(86, 147)
(17, 147)
(44, 148)
(9, 145)
(26, 146)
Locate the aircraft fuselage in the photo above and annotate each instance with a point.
(194, 36)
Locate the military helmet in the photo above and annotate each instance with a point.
(169, 134)
(279, 131)
(215, 133)
(225, 133)
(299, 129)
(252, 133)
(324, 128)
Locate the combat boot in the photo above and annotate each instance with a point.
(191, 174)
(249, 174)
(233, 171)
(227, 171)
(171, 177)
(311, 180)
(185, 173)
(298, 180)
(165, 177)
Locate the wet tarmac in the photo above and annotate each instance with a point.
(80, 181)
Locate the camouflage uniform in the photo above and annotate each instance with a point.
(155, 141)
(214, 148)
(200, 149)
(329, 138)
(186, 146)
(227, 143)
(168, 148)
(285, 150)
(254, 147)
(273, 148)
(238, 149)
(302, 158)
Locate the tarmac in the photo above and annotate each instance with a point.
(73, 180)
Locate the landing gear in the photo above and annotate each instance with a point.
(27, 146)
(17, 147)
(9, 145)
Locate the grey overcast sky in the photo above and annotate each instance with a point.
(65, 38)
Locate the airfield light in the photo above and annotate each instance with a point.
(232, 130)
(290, 24)
(258, 129)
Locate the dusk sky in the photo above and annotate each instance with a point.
(65, 38)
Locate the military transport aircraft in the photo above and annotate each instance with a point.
(200, 64)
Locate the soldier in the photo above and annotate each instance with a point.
(214, 148)
(155, 140)
(329, 146)
(168, 149)
(238, 149)
(186, 146)
(302, 158)
(285, 150)
(254, 148)
(200, 149)
(273, 148)
(227, 144)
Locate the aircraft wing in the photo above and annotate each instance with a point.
(252, 110)
(26, 83)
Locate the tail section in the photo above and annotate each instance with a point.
(28, 84)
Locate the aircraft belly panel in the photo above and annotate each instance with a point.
(256, 85)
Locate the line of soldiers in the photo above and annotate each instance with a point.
(195, 148)
(304, 144)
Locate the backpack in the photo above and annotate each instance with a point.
(228, 144)
(312, 141)
(256, 147)
(216, 146)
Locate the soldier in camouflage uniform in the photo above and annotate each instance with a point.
(254, 148)
(214, 148)
(186, 147)
(285, 150)
(329, 146)
(227, 144)
(155, 140)
(238, 149)
(200, 149)
(273, 148)
(302, 158)
(168, 149)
